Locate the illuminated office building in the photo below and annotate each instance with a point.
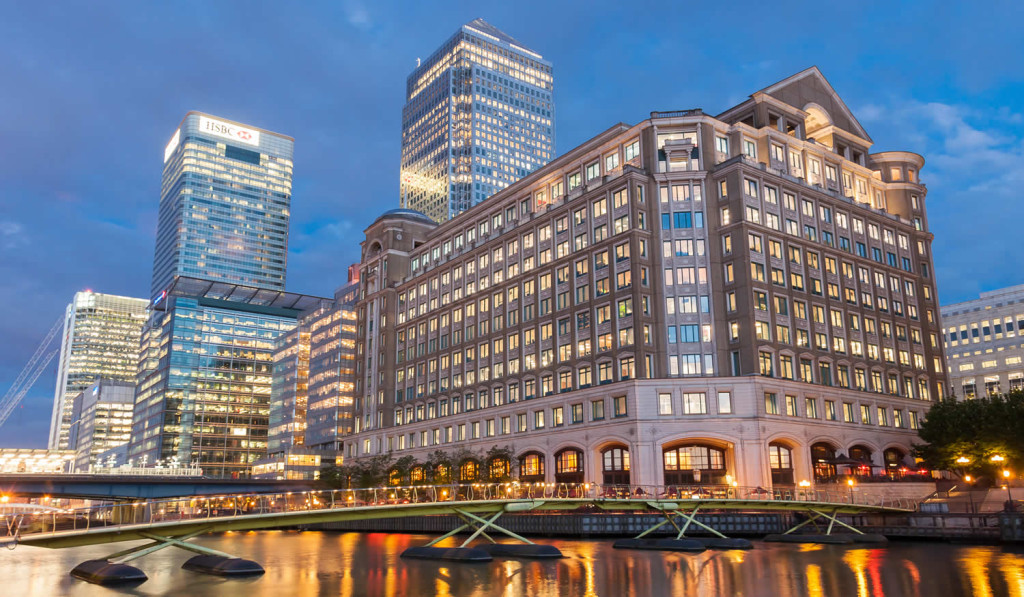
(203, 390)
(479, 115)
(224, 205)
(101, 421)
(706, 299)
(984, 340)
(312, 393)
(100, 340)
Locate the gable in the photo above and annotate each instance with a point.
(811, 87)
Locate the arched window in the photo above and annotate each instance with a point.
(468, 471)
(822, 456)
(443, 474)
(780, 458)
(615, 466)
(861, 453)
(694, 464)
(498, 469)
(894, 466)
(394, 477)
(417, 475)
(531, 467)
(569, 466)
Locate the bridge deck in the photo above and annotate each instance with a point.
(192, 515)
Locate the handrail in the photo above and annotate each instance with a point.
(204, 507)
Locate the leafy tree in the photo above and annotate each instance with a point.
(438, 467)
(369, 471)
(499, 453)
(977, 430)
(402, 469)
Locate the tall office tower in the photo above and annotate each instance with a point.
(745, 298)
(204, 383)
(100, 340)
(984, 340)
(479, 115)
(224, 205)
(102, 420)
(312, 397)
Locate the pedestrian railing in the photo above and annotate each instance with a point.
(198, 508)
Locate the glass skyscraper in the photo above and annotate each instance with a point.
(100, 340)
(205, 374)
(224, 205)
(479, 115)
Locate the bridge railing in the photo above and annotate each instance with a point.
(197, 508)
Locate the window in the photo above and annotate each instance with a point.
(695, 403)
(724, 403)
(619, 403)
(664, 404)
(577, 413)
(771, 403)
(593, 170)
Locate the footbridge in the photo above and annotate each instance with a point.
(173, 522)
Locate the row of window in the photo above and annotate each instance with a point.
(530, 387)
(882, 416)
(830, 374)
(539, 419)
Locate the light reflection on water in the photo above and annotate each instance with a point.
(353, 564)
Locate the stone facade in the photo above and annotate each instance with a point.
(762, 248)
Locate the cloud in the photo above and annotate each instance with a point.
(11, 234)
(357, 15)
(974, 168)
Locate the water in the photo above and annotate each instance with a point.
(354, 564)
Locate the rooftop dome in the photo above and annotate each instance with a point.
(406, 214)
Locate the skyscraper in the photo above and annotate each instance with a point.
(100, 340)
(224, 205)
(479, 115)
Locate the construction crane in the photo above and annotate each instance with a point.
(30, 373)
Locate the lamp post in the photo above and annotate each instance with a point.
(849, 483)
(1009, 498)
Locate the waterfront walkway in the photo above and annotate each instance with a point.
(172, 522)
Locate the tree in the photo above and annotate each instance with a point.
(402, 470)
(975, 430)
(438, 467)
(369, 471)
(502, 473)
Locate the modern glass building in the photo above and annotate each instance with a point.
(100, 340)
(224, 204)
(102, 420)
(204, 385)
(479, 115)
(313, 390)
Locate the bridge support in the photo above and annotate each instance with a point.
(855, 536)
(114, 569)
(483, 553)
(672, 512)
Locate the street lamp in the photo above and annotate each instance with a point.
(997, 458)
(849, 482)
(1009, 498)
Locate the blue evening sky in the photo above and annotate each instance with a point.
(90, 92)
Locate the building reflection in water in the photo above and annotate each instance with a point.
(353, 564)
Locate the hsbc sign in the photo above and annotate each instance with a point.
(229, 131)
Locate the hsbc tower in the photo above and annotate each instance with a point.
(224, 205)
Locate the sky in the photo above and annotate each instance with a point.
(90, 93)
